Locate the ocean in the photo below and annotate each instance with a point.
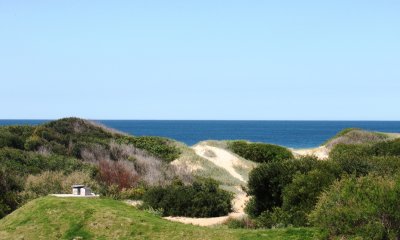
(294, 134)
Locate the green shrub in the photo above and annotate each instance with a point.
(162, 148)
(260, 152)
(245, 223)
(382, 158)
(273, 218)
(33, 142)
(202, 199)
(367, 207)
(387, 148)
(10, 185)
(14, 136)
(352, 158)
(301, 195)
(32, 163)
(267, 181)
(133, 193)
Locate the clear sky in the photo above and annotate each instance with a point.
(305, 60)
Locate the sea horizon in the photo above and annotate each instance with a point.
(288, 133)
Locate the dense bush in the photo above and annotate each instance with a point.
(353, 159)
(31, 163)
(382, 158)
(10, 185)
(301, 195)
(160, 147)
(284, 193)
(260, 152)
(201, 199)
(14, 136)
(119, 173)
(367, 207)
(273, 218)
(267, 181)
(387, 148)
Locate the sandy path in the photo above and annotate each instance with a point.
(227, 161)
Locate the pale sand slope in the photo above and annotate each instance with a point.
(226, 160)
(221, 158)
(321, 152)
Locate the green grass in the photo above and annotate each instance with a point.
(71, 218)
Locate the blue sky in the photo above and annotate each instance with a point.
(304, 60)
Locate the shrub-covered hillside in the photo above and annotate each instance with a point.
(74, 137)
(352, 194)
(356, 136)
(49, 156)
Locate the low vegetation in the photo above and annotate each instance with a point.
(201, 199)
(284, 186)
(67, 218)
(367, 207)
(355, 136)
(38, 160)
(260, 152)
(351, 195)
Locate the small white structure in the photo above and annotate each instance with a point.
(78, 190)
(81, 190)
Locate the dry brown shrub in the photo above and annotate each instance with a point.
(120, 173)
(95, 153)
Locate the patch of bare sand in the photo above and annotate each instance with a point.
(220, 157)
(321, 152)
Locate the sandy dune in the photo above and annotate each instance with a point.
(222, 158)
(321, 152)
(226, 160)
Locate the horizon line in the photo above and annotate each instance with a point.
(266, 120)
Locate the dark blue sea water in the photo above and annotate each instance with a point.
(295, 134)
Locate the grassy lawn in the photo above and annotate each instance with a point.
(79, 218)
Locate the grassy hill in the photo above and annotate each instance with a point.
(358, 136)
(78, 218)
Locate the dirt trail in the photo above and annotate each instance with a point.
(226, 160)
